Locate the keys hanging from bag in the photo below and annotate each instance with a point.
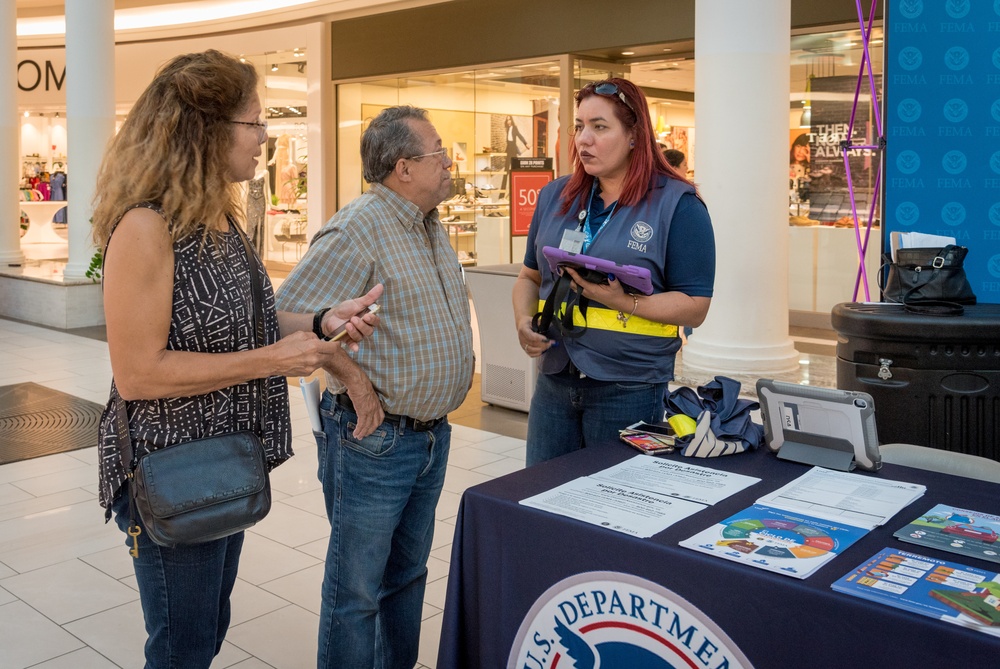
(928, 281)
(204, 489)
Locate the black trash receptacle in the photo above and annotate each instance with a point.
(935, 379)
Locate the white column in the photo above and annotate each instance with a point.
(741, 115)
(10, 235)
(321, 131)
(90, 115)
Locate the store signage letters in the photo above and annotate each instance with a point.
(30, 75)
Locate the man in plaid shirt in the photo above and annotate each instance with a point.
(384, 446)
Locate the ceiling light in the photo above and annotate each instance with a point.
(274, 68)
(26, 114)
(805, 121)
(668, 49)
(138, 18)
(628, 53)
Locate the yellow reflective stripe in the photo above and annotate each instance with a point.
(607, 319)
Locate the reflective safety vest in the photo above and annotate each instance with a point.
(601, 318)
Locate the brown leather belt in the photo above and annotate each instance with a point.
(402, 422)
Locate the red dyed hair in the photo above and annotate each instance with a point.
(645, 160)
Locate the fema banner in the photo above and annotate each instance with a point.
(942, 119)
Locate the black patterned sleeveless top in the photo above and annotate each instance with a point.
(212, 313)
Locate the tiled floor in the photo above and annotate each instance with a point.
(67, 593)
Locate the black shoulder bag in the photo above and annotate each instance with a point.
(205, 489)
(929, 281)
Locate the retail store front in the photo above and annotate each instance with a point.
(490, 114)
(487, 117)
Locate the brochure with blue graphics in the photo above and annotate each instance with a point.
(955, 530)
(939, 589)
(788, 543)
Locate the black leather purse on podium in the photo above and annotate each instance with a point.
(205, 489)
(929, 281)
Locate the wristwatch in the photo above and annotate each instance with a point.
(318, 322)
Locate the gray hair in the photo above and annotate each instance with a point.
(388, 138)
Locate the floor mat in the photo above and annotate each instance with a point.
(37, 421)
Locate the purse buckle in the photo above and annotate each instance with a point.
(938, 262)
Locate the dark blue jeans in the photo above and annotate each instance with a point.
(381, 493)
(567, 415)
(185, 595)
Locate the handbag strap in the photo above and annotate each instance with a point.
(934, 308)
(125, 450)
(564, 296)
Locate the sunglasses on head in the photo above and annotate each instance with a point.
(610, 89)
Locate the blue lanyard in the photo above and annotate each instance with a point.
(588, 235)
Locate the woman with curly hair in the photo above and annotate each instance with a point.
(180, 324)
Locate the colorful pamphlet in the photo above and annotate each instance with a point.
(788, 543)
(955, 530)
(948, 591)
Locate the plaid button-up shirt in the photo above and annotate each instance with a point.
(420, 358)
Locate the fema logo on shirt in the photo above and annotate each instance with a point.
(610, 619)
(641, 233)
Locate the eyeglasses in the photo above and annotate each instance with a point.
(440, 153)
(608, 88)
(261, 128)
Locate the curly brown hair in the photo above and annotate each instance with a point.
(173, 147)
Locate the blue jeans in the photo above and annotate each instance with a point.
(381, 493)
(185, 595)
(566, 415)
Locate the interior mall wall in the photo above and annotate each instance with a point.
(469, 32)
(136, 63)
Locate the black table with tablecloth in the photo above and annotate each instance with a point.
(506, 555)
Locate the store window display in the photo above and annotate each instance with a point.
(511, 137)
(276, 198)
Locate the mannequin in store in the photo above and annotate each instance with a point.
(511, 135)
(286, 172)
(258, 200)
(614, 372)
(58, 184)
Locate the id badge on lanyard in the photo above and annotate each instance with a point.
(574, 239)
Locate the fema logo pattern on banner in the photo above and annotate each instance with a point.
(611, 619)
(942, 103)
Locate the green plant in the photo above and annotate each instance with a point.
(96, 264)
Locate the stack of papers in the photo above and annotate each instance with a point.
(803, 525)
(938, 589)
(862, 501)
(916, 240)
(641, 496)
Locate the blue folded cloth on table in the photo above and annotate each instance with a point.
(724, 423)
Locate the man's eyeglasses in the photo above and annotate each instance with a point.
(261, 128)
(442, 154)
(610, 89)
